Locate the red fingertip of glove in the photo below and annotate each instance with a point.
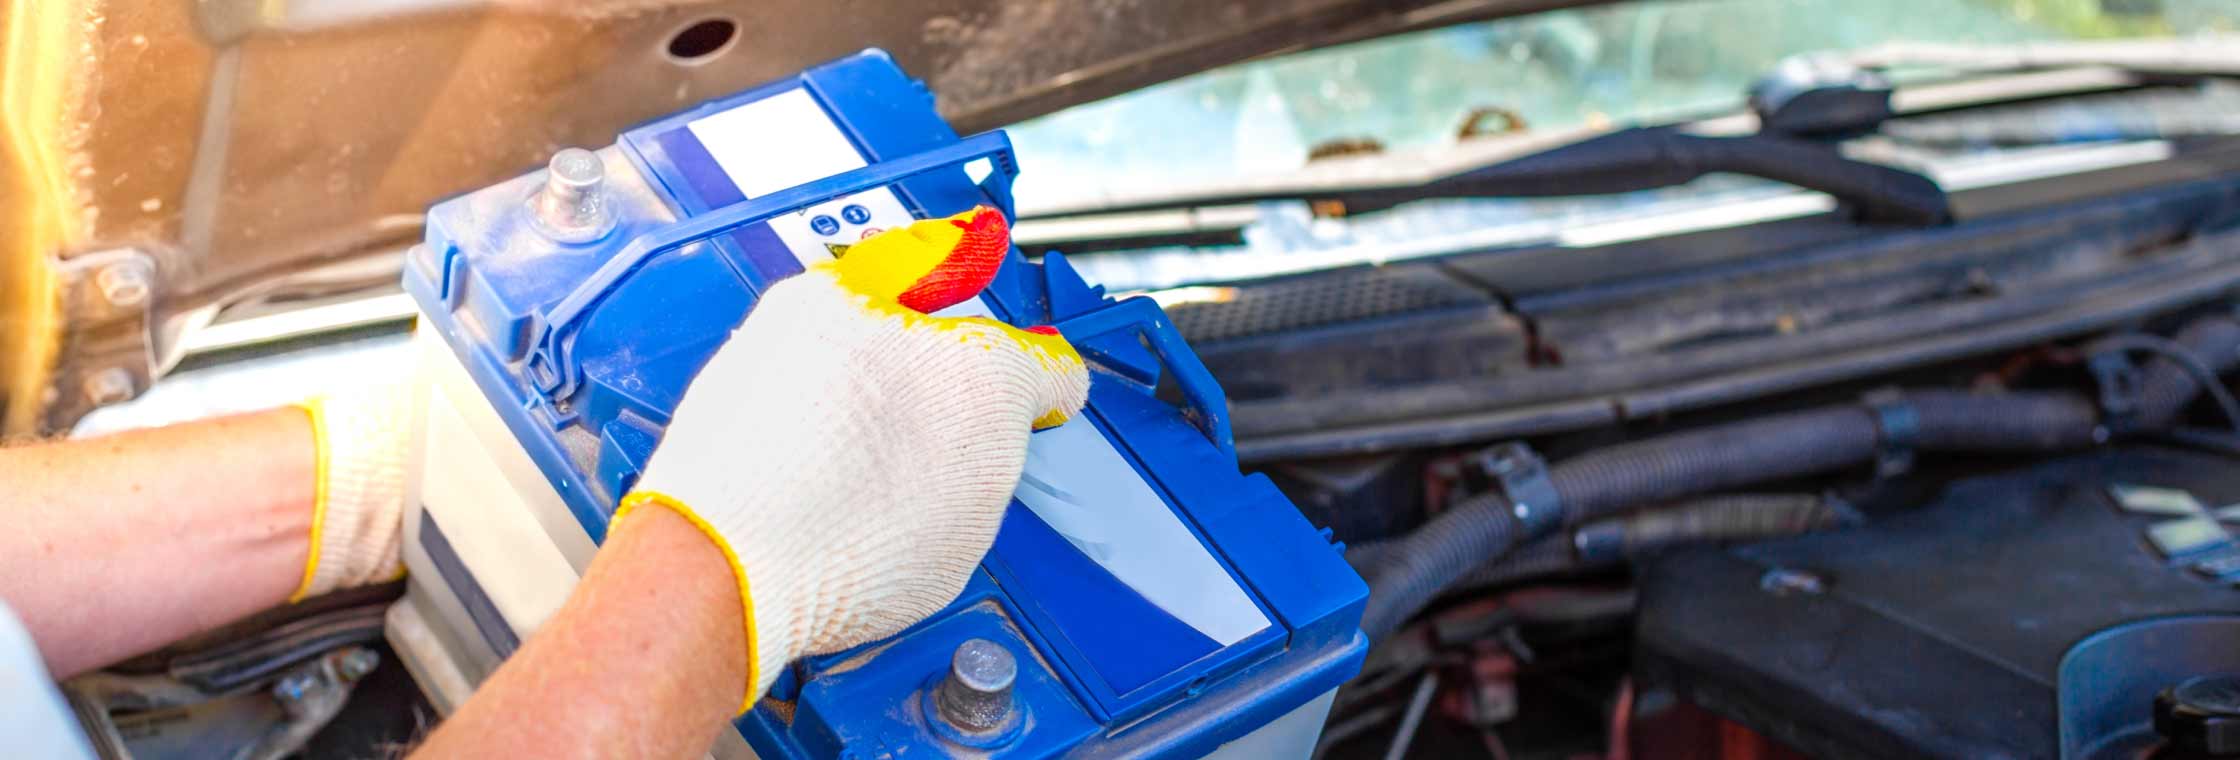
(970, 266)
(1043, 329)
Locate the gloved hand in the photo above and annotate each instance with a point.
(853, 456)
(361, 435)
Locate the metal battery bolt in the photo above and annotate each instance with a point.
(572, 207)
(976, 696)
(356, 663)
(108, 386)
(123, 284)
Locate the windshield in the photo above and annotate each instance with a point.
(1624, 63)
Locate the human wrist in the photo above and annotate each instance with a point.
(757, 597)
(643, 660)
(701, 607)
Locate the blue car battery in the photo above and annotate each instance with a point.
(1142, 598)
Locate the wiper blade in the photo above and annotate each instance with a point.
(1490, 167)
(2211, 109)
(1369, 183)
(2206, 55)
(1645, 158)
(1640, 158)
(1847, 93)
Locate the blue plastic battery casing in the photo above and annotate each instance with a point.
(1228, 614)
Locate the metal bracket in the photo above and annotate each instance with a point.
(157, 711)
(1523, 477)
(2118, 378)
(107, 351)
(1897, 428)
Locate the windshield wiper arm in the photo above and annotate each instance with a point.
(1639, 158)
(1644, 158)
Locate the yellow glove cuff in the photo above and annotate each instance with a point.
(316, 409)
(359, 441)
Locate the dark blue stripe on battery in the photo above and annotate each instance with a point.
(480, 609)
(764, 251)
(1125, 637)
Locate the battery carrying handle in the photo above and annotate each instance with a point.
(550, 366)
(1139, 316)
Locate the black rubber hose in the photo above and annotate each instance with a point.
(2203, 375)
(2023, 421)
(1728, 517)
(1731, 517)
(2166, 388)
(1425, 555)
(1673, 467)
(1682, 465)
(1717, 519)
(1546, 556)
(1605, 482)
(1430, 557)
(1368, 557)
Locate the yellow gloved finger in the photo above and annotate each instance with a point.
(937, 263)
(931, 264)
(1059, 382)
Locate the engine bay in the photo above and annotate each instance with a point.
(1737, 421)
(1869, 420)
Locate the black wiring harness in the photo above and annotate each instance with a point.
(1536, 500)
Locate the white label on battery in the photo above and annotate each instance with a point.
(786, 140)
(1078, 483)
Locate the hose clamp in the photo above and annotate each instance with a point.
(1897, 430)
(2120, 388)
(1523, 478)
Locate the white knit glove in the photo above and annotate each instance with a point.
(361, 437)
(853, 456)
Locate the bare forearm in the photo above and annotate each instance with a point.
(119, 544)
(646, 659)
